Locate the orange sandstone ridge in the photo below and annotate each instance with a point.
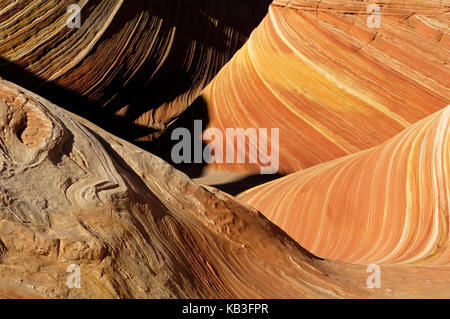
(387, 205)
(332, 85)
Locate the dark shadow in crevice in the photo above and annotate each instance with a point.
(236, 187)
(196, 111)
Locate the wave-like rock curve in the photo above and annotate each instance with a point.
(388, 205)
(332, 85)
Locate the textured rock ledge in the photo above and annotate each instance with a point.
(71, 193)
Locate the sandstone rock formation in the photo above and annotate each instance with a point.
(331, 84)
(389, 204)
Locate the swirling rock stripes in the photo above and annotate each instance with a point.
(406, 7)
(389, 204)
(139, 63)
(331, 84)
